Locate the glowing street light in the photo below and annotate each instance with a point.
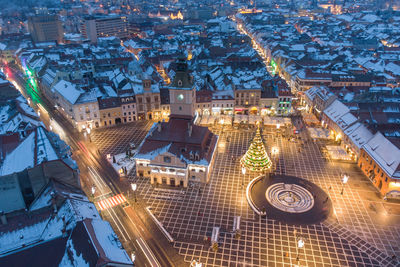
(300, 244)
(93, 189)
(195, 263)
(278, 126)
(345, 178)
(134, 187)
(244, 173)
(88, 130)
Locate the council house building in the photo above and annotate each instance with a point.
(176, 152)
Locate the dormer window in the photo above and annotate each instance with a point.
(180, 83)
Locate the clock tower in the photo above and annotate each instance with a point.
(182, 92)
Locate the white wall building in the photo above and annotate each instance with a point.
(79, 106)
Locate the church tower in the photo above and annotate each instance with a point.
(182, 92)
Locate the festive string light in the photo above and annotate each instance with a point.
(256, 158)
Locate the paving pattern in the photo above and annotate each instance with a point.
(115, 140)
(363, 231)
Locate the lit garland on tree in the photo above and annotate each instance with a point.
(256, 158)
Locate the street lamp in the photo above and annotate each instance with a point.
(88, 131)
(243, 172)
(133, 256)
(134, 186)
(300, 244)
(195, 263)
(345, 178)
(93, 189)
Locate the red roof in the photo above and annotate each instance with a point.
(176, 132)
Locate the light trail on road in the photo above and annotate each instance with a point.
(98, 170)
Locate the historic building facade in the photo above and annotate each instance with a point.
(177, 152)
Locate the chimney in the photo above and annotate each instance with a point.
(190, 129)
(3, 217)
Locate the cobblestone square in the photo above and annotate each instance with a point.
(362, 231)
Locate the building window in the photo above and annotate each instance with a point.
(167, 159)
(386, 180)
(180, 108)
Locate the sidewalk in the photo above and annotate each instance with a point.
(169, 249)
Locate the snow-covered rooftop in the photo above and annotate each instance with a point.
(68, 91)
(385, 154)
(36, 146)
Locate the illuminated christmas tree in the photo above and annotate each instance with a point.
(256, 158)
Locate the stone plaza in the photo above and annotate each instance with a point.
(361, 230)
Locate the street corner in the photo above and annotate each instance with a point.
(288, 199)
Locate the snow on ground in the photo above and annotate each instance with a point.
(122, 161)
(319, 133)
(337, 153)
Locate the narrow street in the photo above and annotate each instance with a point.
(131, 222)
